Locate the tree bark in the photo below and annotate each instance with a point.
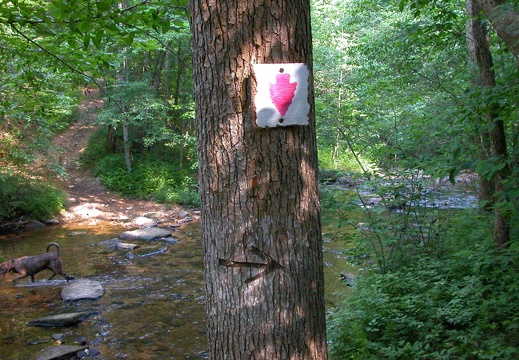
(479, 51)
(505, 21)
(259, 187)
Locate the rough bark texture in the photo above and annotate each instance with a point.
(259, 187)
(495, 141)
(505, 21)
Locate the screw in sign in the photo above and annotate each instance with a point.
(281, 94)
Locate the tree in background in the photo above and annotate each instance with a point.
(259, 187)
(505, 20)
(51, 49)
(402, 99)
(494, 139)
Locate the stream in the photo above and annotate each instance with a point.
(152, 308)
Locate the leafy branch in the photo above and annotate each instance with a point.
(66, 64)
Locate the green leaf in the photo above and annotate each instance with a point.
(98, 36)
(165, 27)
(84, 26)
(104, 5)
(86, 41)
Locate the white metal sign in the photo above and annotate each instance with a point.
(281, 94)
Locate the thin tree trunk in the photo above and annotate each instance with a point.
(261, 228)
(126, 142)
(126, 125)
(479, 51)
(166, 74)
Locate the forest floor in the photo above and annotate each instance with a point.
(89, 202)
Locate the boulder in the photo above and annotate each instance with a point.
(62, 320)
(145, 234)
(60, 352)
(82, 289)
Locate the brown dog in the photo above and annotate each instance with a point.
(31, 265)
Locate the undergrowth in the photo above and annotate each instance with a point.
(155, 177)
(149, 178)
(25, 198)
(460, 302)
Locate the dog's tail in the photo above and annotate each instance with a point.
(58, 248)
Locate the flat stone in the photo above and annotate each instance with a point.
(144, 222)
(182, 214)
(60, 352)
(77, 233)
(127, 246)
(33, 224)
(110, 243)
(58, 337)
(145, 234)
(62, 320)
(82, 289)
(51, 221)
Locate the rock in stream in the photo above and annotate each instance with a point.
(82, 289)
(62, 320)
(145, 234)
(60, 352)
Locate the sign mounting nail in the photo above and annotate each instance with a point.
(281, 94)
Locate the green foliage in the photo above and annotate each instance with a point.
(330, 160)
(374, 81)
(50, 48)
(396, 217)
(162, 180)
(28, 198)
(31, 114)
(461, 305)
(95, 149)
(385, 78)
(400, 225)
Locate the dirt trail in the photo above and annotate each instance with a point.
(89, 202)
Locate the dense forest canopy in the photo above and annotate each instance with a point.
(409, 89)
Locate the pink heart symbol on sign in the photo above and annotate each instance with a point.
(282, 92)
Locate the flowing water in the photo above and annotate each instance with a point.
(152, 308)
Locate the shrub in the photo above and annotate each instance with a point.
(149, 178)
(28, 198)
(329, 161)
(462, 305)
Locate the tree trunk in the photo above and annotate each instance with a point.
(261, 229)
(111, 140)
(505, 21)
(479, 50)
(126, 142)
(125, 123)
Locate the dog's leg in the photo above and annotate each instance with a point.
(23, 275)
(57, 266)
(58, 270)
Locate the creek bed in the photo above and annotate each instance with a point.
(152, 308)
